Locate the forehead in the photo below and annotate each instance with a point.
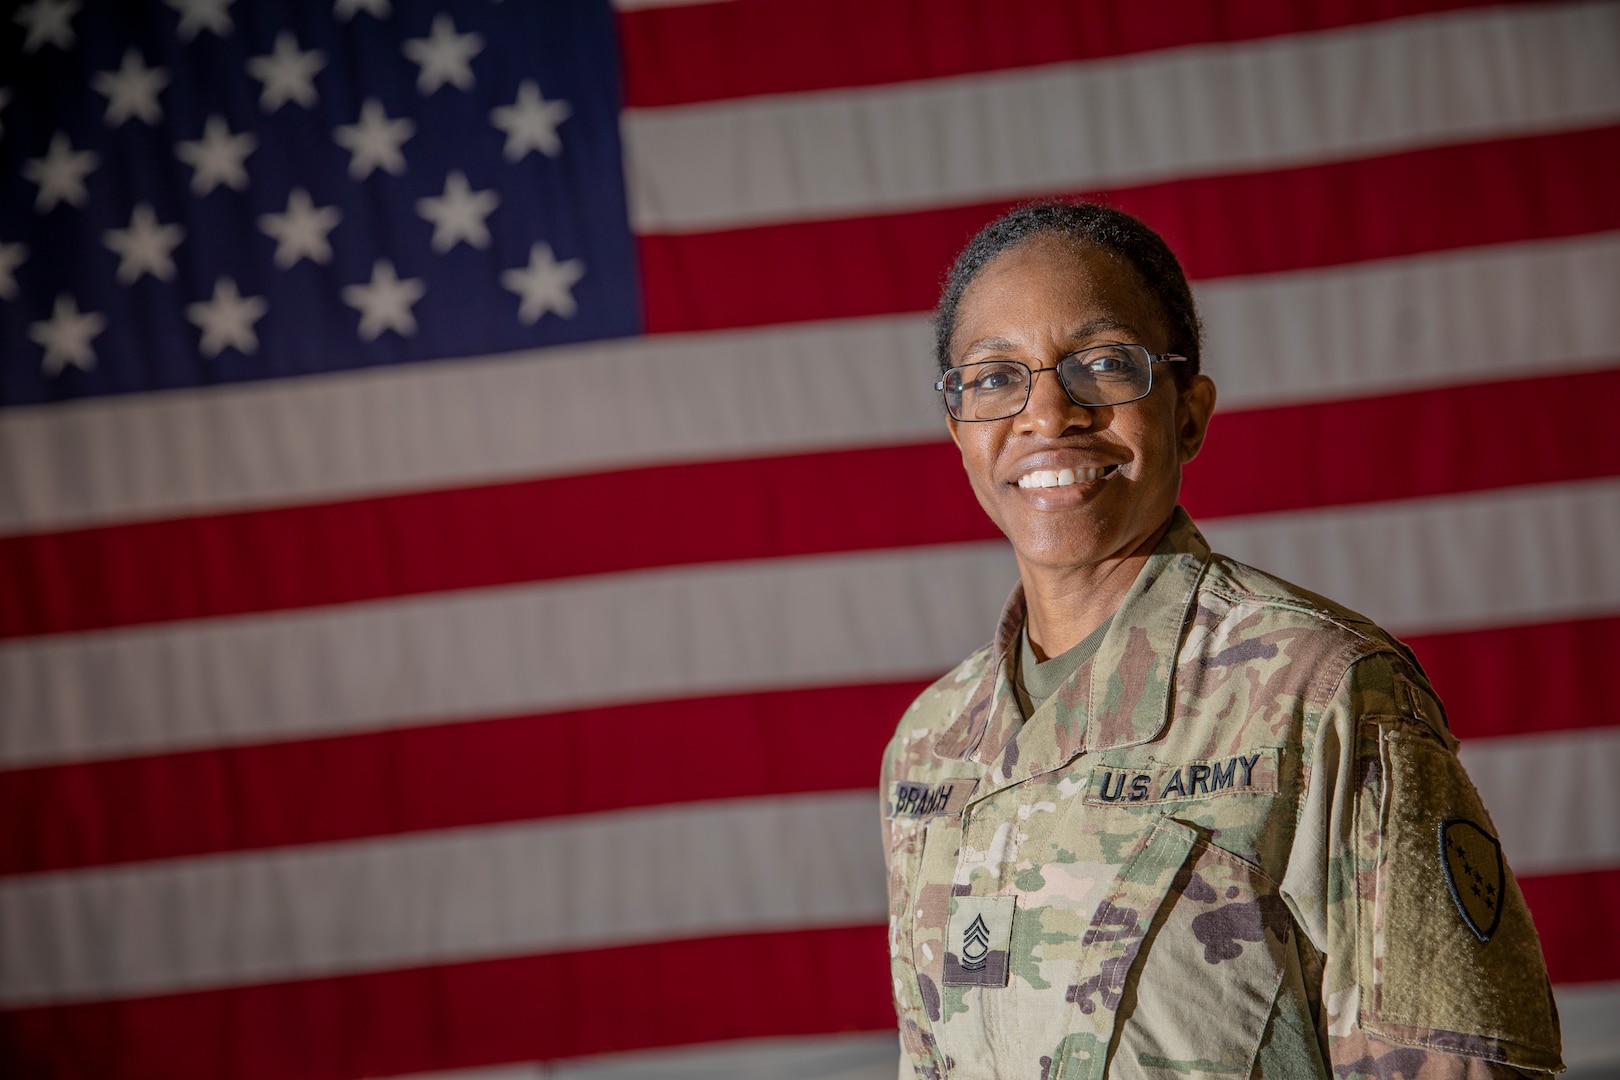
(1053, 289)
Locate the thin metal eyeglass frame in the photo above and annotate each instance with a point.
(1029, 387)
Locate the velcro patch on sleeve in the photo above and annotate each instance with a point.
(915, 799)
(1452, 958)
(1251, 772)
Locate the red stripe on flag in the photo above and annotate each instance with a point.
(1572, 911)
(297, 557)
(1435, 199)
(709, 52)
(1505, 681)
(471, 537)
(445, 776)
(1452, 440)
(455, 1016)
(1523, 680)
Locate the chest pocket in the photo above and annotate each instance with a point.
(1181, 965)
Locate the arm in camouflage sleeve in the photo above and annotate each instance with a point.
(909, 1068)
(1431, 965)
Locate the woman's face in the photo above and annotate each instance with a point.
(1036, 303)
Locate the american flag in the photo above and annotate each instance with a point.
(472, 506)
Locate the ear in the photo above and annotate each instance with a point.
(1194, 407)
(955, 429)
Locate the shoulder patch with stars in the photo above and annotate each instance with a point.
(1472, 859)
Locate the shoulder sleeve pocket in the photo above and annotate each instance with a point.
(1454, 959)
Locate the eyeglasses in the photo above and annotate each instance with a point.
(1101, 375)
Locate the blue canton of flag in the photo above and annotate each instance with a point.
(198, 191)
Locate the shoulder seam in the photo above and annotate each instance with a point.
(1289, 603)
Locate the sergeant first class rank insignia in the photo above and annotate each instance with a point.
(978, 940)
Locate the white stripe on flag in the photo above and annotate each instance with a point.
(1076, 127)
(1378, 327)
(1519, 555)
(1590, 1017)
(1501, 312)
(826, 620)
(560, 885)
(842, 1056)
(1553, 800)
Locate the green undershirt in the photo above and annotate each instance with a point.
(1035, 680)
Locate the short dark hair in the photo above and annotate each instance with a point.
(1089, 223)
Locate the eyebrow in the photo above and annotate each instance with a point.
(1099, 324)
(1084, 330)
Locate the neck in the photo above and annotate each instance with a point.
(1062, 605)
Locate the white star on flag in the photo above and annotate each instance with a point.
(48, 22)
(385, 302)
(458, 214)
(545, 284)
(219, 157)
(288, 74)
(348, 9)
(444, 56)
(300, 231)
(145, 247)
(530, 122)
(132, 90)
(199, 15)
(226, 320)
(375, 141)
(60, 173)
(66, 336)
(11, 257)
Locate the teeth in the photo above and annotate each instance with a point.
(1045, 478)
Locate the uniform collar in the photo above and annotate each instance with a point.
(1131, 677)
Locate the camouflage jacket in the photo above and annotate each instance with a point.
(1259, 858)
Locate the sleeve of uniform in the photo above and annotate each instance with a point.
(909, 1067)
(1431, 966)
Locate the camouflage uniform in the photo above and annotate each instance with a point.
(1262, 860)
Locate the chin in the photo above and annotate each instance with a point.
(1081, 538)
(1071, 547)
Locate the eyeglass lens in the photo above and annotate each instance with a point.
(996, 389)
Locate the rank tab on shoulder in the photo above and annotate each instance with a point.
(916, 799)
(1249, 772)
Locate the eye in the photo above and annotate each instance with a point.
(989, 378)
(1105, 363)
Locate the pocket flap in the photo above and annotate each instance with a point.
(1190, 926)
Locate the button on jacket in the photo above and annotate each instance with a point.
(1236, 843)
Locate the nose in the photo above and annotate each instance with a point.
(1051, 411)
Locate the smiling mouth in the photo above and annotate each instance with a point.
(1046, 478)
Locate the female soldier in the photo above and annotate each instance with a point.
(1179, 818)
